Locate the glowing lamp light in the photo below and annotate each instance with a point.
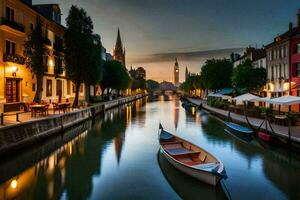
(51, 63)
(14, 184)
(14, 69)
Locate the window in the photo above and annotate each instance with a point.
(272, 72)
(68, 87)
(298, 69)
(10, 47)
(49, 88)
(31, 27)
(33, 87)
(81, 88)
(298, 48)
(59, 88)
(10, 14)
(280, 74)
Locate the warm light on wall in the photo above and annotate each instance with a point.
(51, 63)
(14, 184)
(14, 69)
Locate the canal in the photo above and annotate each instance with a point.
(116, 156)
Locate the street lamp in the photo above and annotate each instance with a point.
(14, 70)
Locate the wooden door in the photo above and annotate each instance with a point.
(12, 90)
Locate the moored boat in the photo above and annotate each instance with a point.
(191, 159)
(238, 128)
(265, 136)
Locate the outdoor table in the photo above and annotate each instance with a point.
(63, 107)
(38, 108)
(281, 119)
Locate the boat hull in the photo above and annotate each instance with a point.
(265, 137)
(238, 128)
(206, 177)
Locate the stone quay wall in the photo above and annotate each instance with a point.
(17, 136)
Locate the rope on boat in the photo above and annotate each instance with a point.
(248, 121)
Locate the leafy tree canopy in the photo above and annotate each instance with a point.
(34, 51)
(216, 74)
(247, 77)
(152, 85)
(115, 76)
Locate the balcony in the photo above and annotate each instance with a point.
(14, 58)
(13, 25)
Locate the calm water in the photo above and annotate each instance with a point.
(117, 157)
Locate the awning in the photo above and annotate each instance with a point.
(264, 99)
(219, 95)
(285, 100)
(245, 97)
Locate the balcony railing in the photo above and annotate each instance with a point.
(14, 58)
(13, 24)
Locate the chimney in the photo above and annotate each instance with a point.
(298, 18)
(290, 26)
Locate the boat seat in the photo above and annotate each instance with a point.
(191, 163)
(174, 142)
(178, 151)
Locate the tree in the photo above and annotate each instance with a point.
(115, 77)
(216, 74)
(81, 49)
(245, 76)
(34, 52)
(152, 85)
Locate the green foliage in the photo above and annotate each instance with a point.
(292, 117)
(218, 104)
(192, 83)
(247, 77)
(115, 76)
(152, 85)
(82, 50)
(138, 78)
(216, 74)
(34, 50)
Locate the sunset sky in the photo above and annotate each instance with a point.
(155, 31)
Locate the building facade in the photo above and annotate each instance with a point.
(257, 56)
(119, 52)
(176, 73)
(17, 81)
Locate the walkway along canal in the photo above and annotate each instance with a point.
(19, 135)
(116, 156)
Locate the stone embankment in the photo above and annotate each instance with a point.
(19, 135)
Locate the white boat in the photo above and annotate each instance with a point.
(191, 159)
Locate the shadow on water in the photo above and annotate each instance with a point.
(187, 187)
(65, 165)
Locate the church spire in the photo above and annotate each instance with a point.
(119, 44)
(119, 50)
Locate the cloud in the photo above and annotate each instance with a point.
(191, 56)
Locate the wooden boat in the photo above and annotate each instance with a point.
(238, 128)
(265, 136)
(188, 187)
(191, 159)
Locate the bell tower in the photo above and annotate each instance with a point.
(176, 73)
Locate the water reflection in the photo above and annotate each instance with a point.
(115, 157)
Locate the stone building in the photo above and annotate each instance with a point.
(18, 82)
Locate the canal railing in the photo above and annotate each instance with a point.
(280, 132)
(16, 136)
